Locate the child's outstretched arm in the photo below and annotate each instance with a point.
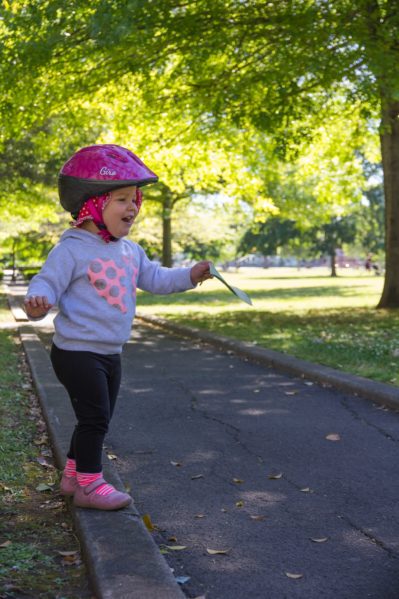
(162, 280)
(200, 272)
(46, 288)
(37, 306)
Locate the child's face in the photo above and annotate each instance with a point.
(120, 212)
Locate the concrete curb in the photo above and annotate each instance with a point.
(123, 560)
(381, 393)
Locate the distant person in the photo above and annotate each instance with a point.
(92, 275)
(370, 265)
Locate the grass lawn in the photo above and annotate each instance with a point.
(305, 313)
(39, 553)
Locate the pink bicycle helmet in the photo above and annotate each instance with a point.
(95, 170)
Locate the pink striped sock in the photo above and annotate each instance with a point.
(85, 479)
(105, 490)
(70, 468)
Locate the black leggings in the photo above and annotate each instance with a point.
(92, 381)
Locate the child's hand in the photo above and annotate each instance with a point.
(37, 306)
(200, 272)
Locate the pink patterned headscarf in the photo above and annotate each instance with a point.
(93, 210)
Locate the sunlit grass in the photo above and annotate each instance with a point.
(305, 313)
(275, 290)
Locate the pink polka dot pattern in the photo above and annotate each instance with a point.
(107, 279)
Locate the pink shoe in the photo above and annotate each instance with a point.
(68, 485)
(86, 497)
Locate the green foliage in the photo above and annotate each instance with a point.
(28, 250)
(268, 237)
(31, 218)
(371, 212)
(31, 221)
(327, 238)
(195, 249)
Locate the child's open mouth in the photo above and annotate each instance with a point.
(128, 219)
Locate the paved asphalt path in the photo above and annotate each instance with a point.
(191, 421)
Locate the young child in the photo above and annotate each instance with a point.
(92, 275)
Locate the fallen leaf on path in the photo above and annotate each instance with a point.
(291, 392)
(148, 523)
(175, 547)
(238, 481)
(177, 464)
(306, 490)
(320, 540)
(182, 579)
(333, 437)
(275, 476)
(239, 503)
(70, 558)
(112, 456)
(43, 440)
(218, 551)
(172, 540)
(258, 518)
(41, 426)
(43, 462)
(294, 575)
(196, 476)
(44, 487)
(198, 516)
(52, 505)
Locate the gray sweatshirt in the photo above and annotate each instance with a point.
(94, 283)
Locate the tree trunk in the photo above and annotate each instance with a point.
(333, 264)
(167, 231)
(389, 136)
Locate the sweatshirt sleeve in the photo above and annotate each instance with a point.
(161, 280)
(54, 276)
